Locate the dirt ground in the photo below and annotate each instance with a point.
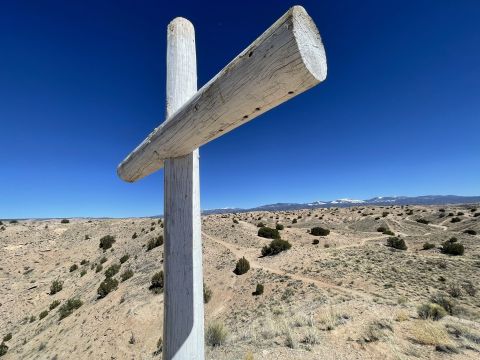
(348, 297)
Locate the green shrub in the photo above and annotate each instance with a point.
(112, 270)
(32, 319)
(260, 224)
(428, 246)
(276, 247)
(13, 221)
(65, 221)
(242, 266)
(207, 293)
(235, 221)
(476, 214)
(54, 304)
(99, 268)
(268, 233)
(3, 349)
(69, 307)
(452, 248)
(294, 221)
(83, 272)
(279, 227)
(381, 229)
(444, 301)
(431, 311)
(103, 260)
(73, 267)
(258, 290)
(134, 236)
(155, 242)
(470, 232)
(43, 314)
(423, 221)
(56, 286)
(396, 243)
(388, 232)
(127, 274)
(453, 240)
(216, 334)
(107, 286)
(455, 220)
(84, 262)
(318, 231)
(385, 214)
(106, 242)
(157, 283)
(316, 242)
(7, 337)
(124, 258)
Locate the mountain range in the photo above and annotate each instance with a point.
(380, 201)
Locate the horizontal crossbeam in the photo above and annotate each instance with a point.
(286, 60)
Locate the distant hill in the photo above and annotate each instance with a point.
(380, 201)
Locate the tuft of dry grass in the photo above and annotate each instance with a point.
(427, 332)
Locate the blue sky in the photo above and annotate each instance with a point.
(82, 83)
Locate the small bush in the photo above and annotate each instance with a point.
(260, 224)
(99, 268)
(294, 221)
(127, 274)
(83, 272)
(453, 248)
(258, 290)
(65, 221)
(54, 304)
(268, 233)
(279, 227)
(470, 232)
(7, 337)
(216, 334)
(106, 242)
(455, 220)
(396, 243)
(454, 290)
(43, 314)
(242, 266)
(103, 260)
(3, 349)
(428, 246)
(73, 267)
(157, 283)
(155, 242)
(124, 258)
(385, 214)
(431, 311)
(56, 286)
(476, 214)
(134, 236)
(84, 262)
(112, 270)
(69, 307)
(107, 286)
(388, 232)
(381, 229)
(276, 247)
(316, 242)
(444, 301)
(453, 240)
(318, 231)
(207, 294)
(423, 221)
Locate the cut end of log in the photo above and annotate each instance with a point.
(309, 43)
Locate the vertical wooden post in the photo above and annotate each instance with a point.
(183, 329)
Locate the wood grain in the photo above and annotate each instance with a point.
(283, 62)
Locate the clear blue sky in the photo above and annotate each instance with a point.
(83, 82)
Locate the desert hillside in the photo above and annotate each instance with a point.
(341, 295)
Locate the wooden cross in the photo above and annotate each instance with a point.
(283, 62)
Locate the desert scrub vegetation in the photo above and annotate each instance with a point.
(112, 270)
(54, 304)
(124, 258)
(7, 337)
(453, 248)
(319, 231)
(242, 266)
(155, 242)
(43, 314)
(98, 268)
(279, 227)
(258, 290)
(276, 247)
(56, 287)
(428, 246)
(157, 283)
(106, 242)
(207, 293)
(429, 333)
(268, 233)
(423, 221)
(455, 220)
(73, 267)
(69, 307)
(64, 221)
(127, 274)
(216, 334)
(396, 243)
(107, 286)
(3, 349)
(470, 232)
(431, 311)
(315, 242)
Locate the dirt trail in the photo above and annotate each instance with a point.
(239, 251)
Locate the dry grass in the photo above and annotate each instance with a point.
(426, 332)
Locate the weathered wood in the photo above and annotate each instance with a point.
(283, 62)
(183, 276)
